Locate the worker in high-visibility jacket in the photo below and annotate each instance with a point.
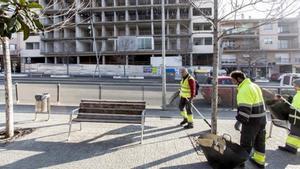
(251, 114)
(293, 139)
(187, 93)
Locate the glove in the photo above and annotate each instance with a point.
(277, 97)
(237, 126)
(242, 119)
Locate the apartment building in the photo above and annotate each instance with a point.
(15, 52)
(120, 32)
(262, 50)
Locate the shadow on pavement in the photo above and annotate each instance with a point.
(281, 159)
(163, 160)
(55, 153)
(202, 165)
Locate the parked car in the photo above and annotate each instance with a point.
(226, 94)
(275, 77)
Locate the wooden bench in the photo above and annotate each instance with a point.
(109, 111)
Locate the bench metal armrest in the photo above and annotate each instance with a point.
(75, 111)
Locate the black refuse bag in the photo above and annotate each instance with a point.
(280, 112)
(222, 153)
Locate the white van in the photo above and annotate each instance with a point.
(288, 78)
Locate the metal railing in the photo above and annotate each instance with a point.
(66, 93)
(73, 92)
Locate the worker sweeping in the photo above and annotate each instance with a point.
(251, 114)
(187, 93)
(293, 140)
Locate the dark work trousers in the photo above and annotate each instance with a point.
(253, 135)
(185, 104)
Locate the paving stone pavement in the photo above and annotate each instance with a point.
(166, 145)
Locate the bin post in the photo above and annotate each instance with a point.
(48, 107)
(100, 92)
(143, 93)
(17, 93)
(58, 93)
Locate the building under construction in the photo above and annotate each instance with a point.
(123, 32)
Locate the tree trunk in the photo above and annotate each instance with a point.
(214, 101)
(8, 89)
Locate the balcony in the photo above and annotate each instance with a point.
(132, 2)
(287, 44)
(241, 47)
(144, 2)
(283, 61)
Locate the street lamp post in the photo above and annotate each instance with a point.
(164, 89)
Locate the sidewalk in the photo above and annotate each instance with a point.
(104, 146)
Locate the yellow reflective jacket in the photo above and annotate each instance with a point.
(185, 90)
(294, 118)
(250, 100)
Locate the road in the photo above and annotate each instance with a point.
(72, 90)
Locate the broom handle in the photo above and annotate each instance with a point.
(199, 113)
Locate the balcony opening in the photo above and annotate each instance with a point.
(109, 16)
(139, 59)
(120, 15)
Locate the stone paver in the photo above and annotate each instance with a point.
(166, 145)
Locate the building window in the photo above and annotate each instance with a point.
(145, 43)
(32, 45)
(283, 44)
(282, 59)
(203, 59)
(297, 59)
(268, 27)
(203, 41)
(37, 60)
(201, 26)
(50, 60)
(202, 11)
(12, 47)
(268, 41)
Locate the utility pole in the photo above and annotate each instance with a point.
(163, 54)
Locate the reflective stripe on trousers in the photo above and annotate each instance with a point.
(184, 114)
(190, 118)
(258, 157)
(293, 141)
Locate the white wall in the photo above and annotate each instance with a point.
(30, 53)
(272, 34)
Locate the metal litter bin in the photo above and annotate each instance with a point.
(42, 104)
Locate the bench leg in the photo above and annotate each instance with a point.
(70, 128)
(35, 116)
(48, 116)
(271, 129)
(142, 132)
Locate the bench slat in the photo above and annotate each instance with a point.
(108, 121)
(96, 116)
(113, 101)
(111, 111)
(106, 105)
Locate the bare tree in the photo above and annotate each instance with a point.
(15, 16)
(270, 10)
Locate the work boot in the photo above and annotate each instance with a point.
(189, 126)
(242, 165)
(183, 121)
(256, 164)
(288, 149)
